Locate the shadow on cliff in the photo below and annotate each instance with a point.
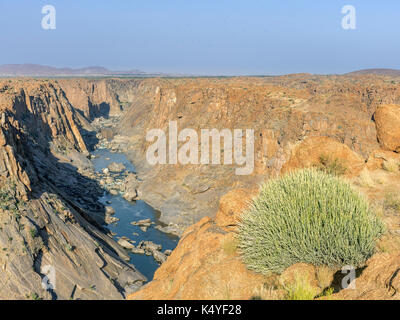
(98, 110)
(57, 175)
(38, 138)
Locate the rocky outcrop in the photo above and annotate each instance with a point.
(380, 280)
(387, 119)
(378, 158)
(51, 239)
(313, 150)
(95, 98)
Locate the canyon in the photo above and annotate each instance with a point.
(50, 213)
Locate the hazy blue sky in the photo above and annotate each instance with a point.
(203, 36)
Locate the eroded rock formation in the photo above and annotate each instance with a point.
(50, 220)
(387, 118)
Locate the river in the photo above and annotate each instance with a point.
(128, 212)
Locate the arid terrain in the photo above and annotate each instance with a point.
(49, 208)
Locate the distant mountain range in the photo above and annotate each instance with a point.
(20, 70)
(385, 72)
(36, 70)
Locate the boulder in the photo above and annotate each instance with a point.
(116, 167)
(131, 195)
(377, 159)
(125, 244)
(231, 207)
(107, 133)
(114, 192)
(159, 256)
(144, 222)
(308, 153)
(109, 210)
(380, 280)
(150, 246)
(110, 219)
(137, 250)
(171, 228)
(131, 182)
(387, 120)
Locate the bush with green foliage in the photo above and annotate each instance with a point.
(299, 290)
(307, 216)
(331, 165)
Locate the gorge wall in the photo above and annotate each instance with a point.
(288, 114)
(50, 219)
(50, 215)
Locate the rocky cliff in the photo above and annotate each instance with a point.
(51, 239)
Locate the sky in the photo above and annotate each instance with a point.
(204, 37)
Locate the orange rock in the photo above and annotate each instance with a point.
(377, 158)
(231, 206)
(387, 119)
(309, 151)
(380, 280)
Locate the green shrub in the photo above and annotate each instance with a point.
(33, 232)
(69, 247)
(307, 216)
(299, 290)
(331, 165)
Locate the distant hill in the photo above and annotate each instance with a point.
(385, 72)
(20, 70)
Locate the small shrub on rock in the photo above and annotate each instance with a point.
(331, 165)
(307, 216)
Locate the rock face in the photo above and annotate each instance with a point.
(99, 97)
(379, 157)
(309, 152)
(387, 118)
(379, 281)
(50, 220)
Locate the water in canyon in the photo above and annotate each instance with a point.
(128, 212)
